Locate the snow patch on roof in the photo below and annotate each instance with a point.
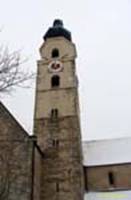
(119, 195)
(105, 152)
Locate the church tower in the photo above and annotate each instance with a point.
(59, 171)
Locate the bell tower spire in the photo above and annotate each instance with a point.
(57, 123)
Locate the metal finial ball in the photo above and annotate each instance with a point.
(57, 23)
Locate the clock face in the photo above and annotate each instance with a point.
(55, 66)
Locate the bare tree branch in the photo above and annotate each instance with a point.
(12, 74)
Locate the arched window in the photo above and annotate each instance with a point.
(55, 53)
(55, 81)
(111, 178)
(54, 113)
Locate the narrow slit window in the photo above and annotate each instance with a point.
(86, 178)
(55, 143)
(111, 178)
(55, 81)
(54, 113)
(57, 187)
(55, 53)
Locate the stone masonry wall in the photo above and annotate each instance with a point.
(97, 178)
(61, 167)
(16, 157)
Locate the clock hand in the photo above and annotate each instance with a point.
(64, 56)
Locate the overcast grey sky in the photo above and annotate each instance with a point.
(101, 30)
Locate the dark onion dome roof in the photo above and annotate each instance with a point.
(57, 30)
